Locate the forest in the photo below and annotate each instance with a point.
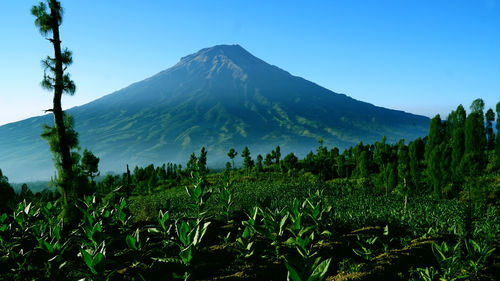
(423, 209)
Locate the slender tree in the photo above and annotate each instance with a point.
(202, 162)
(7, 194)
(381, 156)
(477, 106)
(289, 163)
(404, 180)
(268, 161)
(48, 19)
(474, 159)
(90, 165)
(457, 142)
(416, 153)
(341, 166)
(362, 164)
(232, 153)
(490, 135)
(278, 155)
(497, 145)
(434, 153)
(247, 160)
(259, 165)
(434, 169)
(435, 136)
(192, 162)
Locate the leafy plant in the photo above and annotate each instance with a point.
(313, 272)
(198, 193)
(448, 259)
(245, 242)
(274, 226)
(189, 236)
(428, 274)
(477, 254)
(134, 241)
(226, 198)
(366, 249)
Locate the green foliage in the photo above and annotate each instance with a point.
(497, 145)
(247, 160)
(244, 243)
(448, 259)
(366, 247)
(62, 138)
(457, 121)
(314, 272)
(289, 163)
(404, 180)
(7, 193)
(474, 159)
(232, 153)
(477, 254)
(89, 164)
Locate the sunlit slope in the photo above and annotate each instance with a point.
(219, 97)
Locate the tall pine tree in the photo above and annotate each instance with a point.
(457, 142)
(497, 145)
(48, 19)
(434, 153)
(490, 135)
(416, 153)
(474, 159)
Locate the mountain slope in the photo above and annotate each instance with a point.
(219, 97)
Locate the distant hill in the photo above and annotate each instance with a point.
(219, 97)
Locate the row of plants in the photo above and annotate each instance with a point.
(288, 227)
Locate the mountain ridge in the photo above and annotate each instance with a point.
(218, 97)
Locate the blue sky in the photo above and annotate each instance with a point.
(420, 56)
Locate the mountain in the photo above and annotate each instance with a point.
(219, 97)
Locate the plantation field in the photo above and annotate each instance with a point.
(265, 230)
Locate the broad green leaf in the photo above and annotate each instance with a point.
(320, 271)
(97, 259)
(292, 274)
(122, 204)
(186, 255)
(131, 243)
(87, 258)
(306, 230)
(96, 228)
(48, 247)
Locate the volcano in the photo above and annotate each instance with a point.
(219, 97)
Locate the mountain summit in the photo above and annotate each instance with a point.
(219, 97)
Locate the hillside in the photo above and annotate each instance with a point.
(219, 97)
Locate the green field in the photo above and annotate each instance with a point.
(250, 229)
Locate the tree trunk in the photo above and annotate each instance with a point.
(66, 162)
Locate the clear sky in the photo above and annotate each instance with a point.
(420, 56)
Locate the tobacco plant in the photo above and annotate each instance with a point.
(244, 243)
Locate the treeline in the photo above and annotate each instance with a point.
(459, 153)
